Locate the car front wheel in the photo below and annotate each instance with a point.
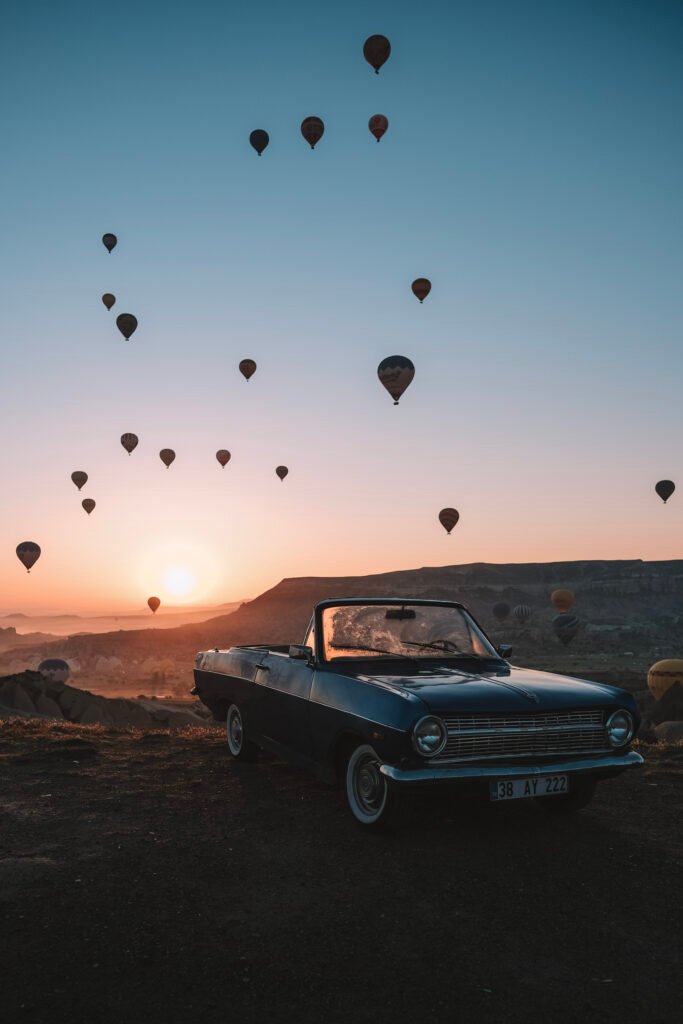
(580, 795)
(239, 746)
(370, 796)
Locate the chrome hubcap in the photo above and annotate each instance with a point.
(369, 785)
(235, 731)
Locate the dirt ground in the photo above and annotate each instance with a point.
(150, 878)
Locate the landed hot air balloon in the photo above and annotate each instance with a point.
(109, 242)
(127, 324)
(55, 669)
(421, 288)
(108, 299)
(312, 129)
(448, 517)
(522, 612)
(79, 478)
(281, 471)
(88, 504)
(501, 610)
(167, 455)
(663, 675)
(562, 599)
(566, 627)
(396, 373)
(28, 554)
(378, 125)
(376, 50)
(259, 139)
(247, 368)
(223, 456)
(665, 489)
(153, 603)
(129, 442)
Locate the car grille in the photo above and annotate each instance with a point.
(478, 737)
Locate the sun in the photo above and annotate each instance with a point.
(179, 581)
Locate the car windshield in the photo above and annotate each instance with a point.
(402, 631)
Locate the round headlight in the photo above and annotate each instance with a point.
(619, 728)
(429, 736)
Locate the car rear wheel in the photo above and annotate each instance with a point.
(372, 799)
(239, 746)
(580, 795)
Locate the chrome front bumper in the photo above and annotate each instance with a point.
(610, 765)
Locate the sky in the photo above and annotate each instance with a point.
(531, 171)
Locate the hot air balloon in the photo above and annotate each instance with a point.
(376, 50)
(109, 241)
(663, 675)
(396, 373)
(281, 471)
(566, 627)
(55, 669)
(167, 455)
(378, 125)
(28, 554)
(259, 140)
(501, 610)
(247, 368)
(665, 489)
(421, 288)
(562, 599)
(223, 456)
(88, 504)
(79, 478)
(312, 129)
(127, 324)
(522, 612)
(108, 299)
(129, 442)
(448, 517)
(153, 603)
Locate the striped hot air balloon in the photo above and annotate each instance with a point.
(566, 627)
(522, 612)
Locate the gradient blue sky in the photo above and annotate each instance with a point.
(532, 170)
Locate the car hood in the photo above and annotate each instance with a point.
(445, 689)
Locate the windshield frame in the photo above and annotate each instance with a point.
(399, 659)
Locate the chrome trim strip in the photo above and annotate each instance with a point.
(528, 730)
(446, 759)
(630, 760)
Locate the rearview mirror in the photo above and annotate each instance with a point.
(400, 613)
(505, 650)
(300, 652)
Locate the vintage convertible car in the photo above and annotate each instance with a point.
(388, 695)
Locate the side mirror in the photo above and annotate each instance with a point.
(505, 650)
(300, 652)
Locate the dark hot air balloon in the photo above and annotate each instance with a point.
(167, 455)
(501, 610)
(28, 554)
(312, 129)
(562, 599)
(55, 669)
(376, 50)
(127, 324)
(88, 504)
(522, 612)
(153, 603)
(109, 241)
(396, 373)
(378, 125)
(223, 456)
(566, 627)
(79, 478)
(448, 517)
(421, 288)
(129, 442)
(247, 368)
(281, 471)
(259, 140)
(108, 299)
(665, 489)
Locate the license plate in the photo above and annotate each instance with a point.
(539, 785)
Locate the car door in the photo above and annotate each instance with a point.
(285, 709)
